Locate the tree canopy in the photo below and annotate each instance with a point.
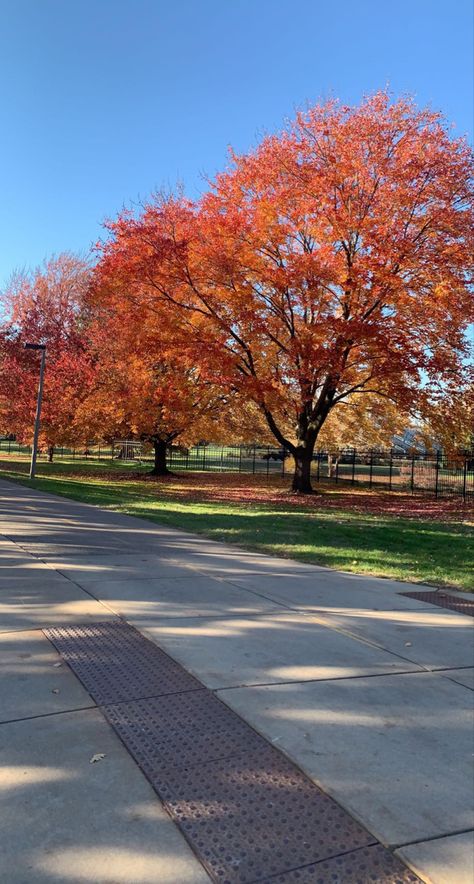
(333, 261)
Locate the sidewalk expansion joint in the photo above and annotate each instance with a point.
(249, 813)
(360, 866)
(48, 714)
(449, 834)
(274, 684)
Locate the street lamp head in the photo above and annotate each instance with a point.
(35, 346)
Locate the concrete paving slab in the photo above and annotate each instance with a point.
(68, 820)
(9, 553)
(47, 512)
(26, 580)
(461, 676)
(6, 545)
(24, 566)
(34, 680)
(50, 552)
(94, 530)
(51, 512)
(93, 570)
(394, 751)
(389, 753)
(238, 563)
(14, 556)
(44, 604)
(319, 591)
(83, 548)
(191, 596)
(264, 649)
(443, 861)
(433, 637)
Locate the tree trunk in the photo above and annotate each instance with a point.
(302, 476)
(50, 453)
(306, 432)
(160, 468)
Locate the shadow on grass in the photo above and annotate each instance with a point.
(417, 551)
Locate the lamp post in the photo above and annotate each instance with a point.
(34, 452)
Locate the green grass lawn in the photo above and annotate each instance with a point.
(436, 552)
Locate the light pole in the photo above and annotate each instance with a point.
(34, 452)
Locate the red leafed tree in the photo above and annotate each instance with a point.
(331, 262)
(146, 384)
(46, 307)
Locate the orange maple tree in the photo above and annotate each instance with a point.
(46, 307)
(332, 261)
(145, 386)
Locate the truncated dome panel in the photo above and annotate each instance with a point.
(115, 662)
(452, 602)
(249, 814)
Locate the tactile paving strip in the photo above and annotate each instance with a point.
(255, 815)
(370, 864)
(181, 729)
(247, 811)
(115, 662)
(454, 603)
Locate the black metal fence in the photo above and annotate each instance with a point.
(436, 473)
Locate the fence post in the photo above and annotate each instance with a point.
(318, 471)
(412, 482)
(283, 465)
(204, 457)
(371, 470)
(391, 470)
(240, 459)
(337, 469)
(254, 454)
(464, 481)
(437, 473)
(353, 465)
(268, 461)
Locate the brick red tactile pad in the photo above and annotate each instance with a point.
(249, 814)
(181, 729)
(115, 662)
(256, 814)
(370, 864)
(444, 600)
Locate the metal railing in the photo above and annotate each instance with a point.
(392, 470)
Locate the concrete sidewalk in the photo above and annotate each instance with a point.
(368, 691)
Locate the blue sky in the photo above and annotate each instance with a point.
(102, 101)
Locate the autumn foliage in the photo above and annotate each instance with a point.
(46, 306)
(320, 289)
(331, 262)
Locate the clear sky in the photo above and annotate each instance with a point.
(102, 101)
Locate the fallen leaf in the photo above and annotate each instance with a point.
(55, 691)
(98, 757)
(56, 665)
(408, 644)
